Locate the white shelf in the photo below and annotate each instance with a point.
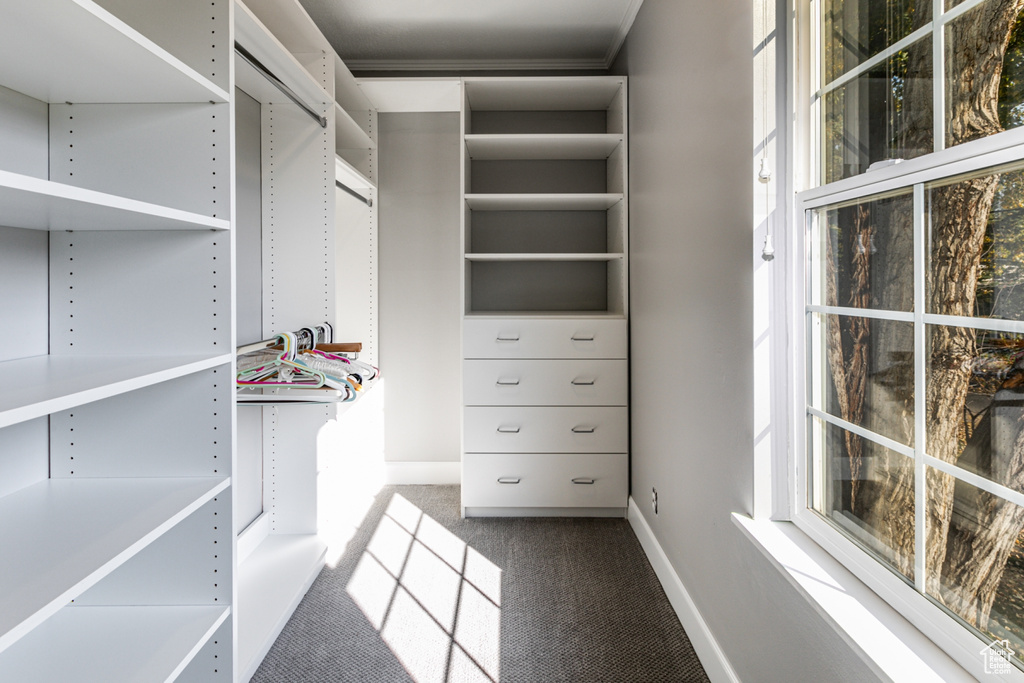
(251, 34)
(602, 256)
(103, 644)
(40, 204)
(271, 582)
(574, 315)
(289, 397)
(548, 93)
(76, 51)
(347, 133)
(542, 202)
(36, 386)
(549, 146)
(61, 536)
(349, 176)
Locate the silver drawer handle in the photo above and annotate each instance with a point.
(578, 338)
(584, 383)
(508, 383)
(583, 480)
(508, 339)
(508, 430)
(583, 430)
(508, 480)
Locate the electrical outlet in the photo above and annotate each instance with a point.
(654, 499)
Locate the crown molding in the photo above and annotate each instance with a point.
(620, 35)
(474, 64)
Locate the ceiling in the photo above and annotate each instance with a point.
(474, 34)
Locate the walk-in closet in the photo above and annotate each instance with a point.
(190, 357)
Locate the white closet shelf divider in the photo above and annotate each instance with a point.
(597, 256)
(62, 536)
(251, 34)
(542, 146)
(39, 204)
(76, 51)
(40, 385)
(347, 133)
(119, 642)
(542, 202)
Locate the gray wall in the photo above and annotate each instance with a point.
(420, 291)
(691, 305)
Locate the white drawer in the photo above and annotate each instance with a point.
(544, 338)
(531, 429)
(545, 382)
(584, 480)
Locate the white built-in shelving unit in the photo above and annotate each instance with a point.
(545, 380)
(295, 233)
(116, 277)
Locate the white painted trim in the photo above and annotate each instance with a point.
(704, 644)
(411, 472)
(886, 641)
(473, 64)
(620, 34)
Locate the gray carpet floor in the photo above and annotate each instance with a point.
(422, 595)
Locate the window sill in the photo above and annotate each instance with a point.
(882, 637)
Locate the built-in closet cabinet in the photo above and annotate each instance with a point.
(116, 289)
(303, 157)
(545, 386)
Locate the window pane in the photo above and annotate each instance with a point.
(984, 72)
(854, 30)
(866, 254)
(977, 238)
(884, 114)
(867, 373)
(975, 398)
(975, 564)
(867, 491)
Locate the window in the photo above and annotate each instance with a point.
(913, 324)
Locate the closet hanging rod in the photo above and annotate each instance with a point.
(277, 83)
(349, 190)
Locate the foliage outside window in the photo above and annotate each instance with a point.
(915, 308)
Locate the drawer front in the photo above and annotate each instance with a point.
(544, 480)
(543, 338)
(545, 382)
(518, 429)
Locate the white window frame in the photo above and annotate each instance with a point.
(806, 195)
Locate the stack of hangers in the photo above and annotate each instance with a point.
(286, 364)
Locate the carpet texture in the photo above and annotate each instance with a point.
(422, 595)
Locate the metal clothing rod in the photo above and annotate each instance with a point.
(277, 83)
(349, 190)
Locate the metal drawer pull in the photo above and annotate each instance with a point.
(508, 430)
(583, 430)
(508, 480)
(578, 338)
(584, 383)
(508, 383)
(583, 480)
(508, 339)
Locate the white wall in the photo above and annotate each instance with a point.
(420, 291)
(692, 245)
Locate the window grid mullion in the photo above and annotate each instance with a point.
(875, 59)
(938, 77)
(875, 437)
(920, 403)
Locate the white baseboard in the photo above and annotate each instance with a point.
(704, 644)
(409, 472)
